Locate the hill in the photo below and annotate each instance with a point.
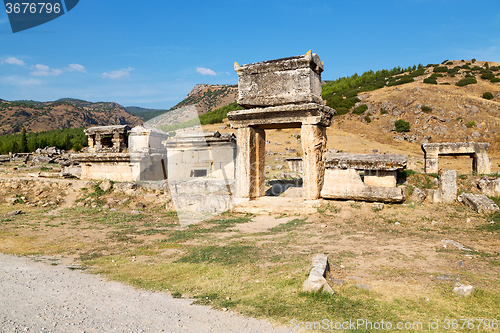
(143, 113)
(207, 97)
(441, 103)
(65, 113)
(436, 104)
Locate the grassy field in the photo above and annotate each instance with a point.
(255, 265)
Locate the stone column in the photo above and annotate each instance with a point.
(250, 162)
(116, 142)
(431, 162)
(313, 147)
(90, 140)
(97, 141)
(481, 163)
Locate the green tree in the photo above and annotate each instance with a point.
(402, 126)
(24, 142)
(488, 95)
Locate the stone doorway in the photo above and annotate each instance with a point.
(278, 94)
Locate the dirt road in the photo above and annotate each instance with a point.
(39, 297)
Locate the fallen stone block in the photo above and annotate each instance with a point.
(316, 280)
(480, 203)
(418, 196)
(434, 196)
(464, 291)
(489, 186)
(106, 185)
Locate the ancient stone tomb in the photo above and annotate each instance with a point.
(478, 151)
(121, 154)
(282, 93)
(193, 154)
(343, 181)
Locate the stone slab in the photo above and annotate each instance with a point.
(292, 115)
(386, 162)
(489, 186)
(280, 81)
(480, 203)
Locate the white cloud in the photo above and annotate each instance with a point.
(14, 61)
(118, 74)
(76, 68)
(205, 71)
(42, 70)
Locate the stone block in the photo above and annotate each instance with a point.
(480, 203)
(489, 186)
(418, 196)
(447, 180)
(281, 81)
(347, 185)
(316, 280)
(388, 162)
(464, 291)
(380, 178)
(434, 196)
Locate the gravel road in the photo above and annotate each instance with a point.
(38, 297)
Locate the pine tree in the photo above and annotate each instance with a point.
(24, 142)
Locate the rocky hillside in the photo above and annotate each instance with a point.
(65, 113)
(441, 112)
(208, 97)
(441, 103)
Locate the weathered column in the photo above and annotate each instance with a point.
(90, 140)
(481, 163)
(313, 147)
(98, 141)
(250, 162)
(431, 161)
(116, 142)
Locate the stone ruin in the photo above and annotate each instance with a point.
(343, 181)
(282, 93)
(481, 163)
(201, 154)
(123, 154)
(107, 139)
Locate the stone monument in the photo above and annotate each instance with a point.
(281, 93)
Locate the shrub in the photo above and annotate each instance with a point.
(487, 76)
(473, 60)
(488, 95)
(402, 126)
(426, 109)
(470, 124)
(383, 111)
(395, 81)
(367, 119)
(360, 109)
(431, 80)
(441, 69)
(466, 81)
(495, 68)
(449, 63)
(495, 79)
(77, 147)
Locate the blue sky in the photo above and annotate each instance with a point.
(151, 53)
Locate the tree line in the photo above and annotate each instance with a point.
(68, 138)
